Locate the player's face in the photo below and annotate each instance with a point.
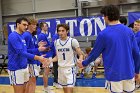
(22, 26)
(62, 32)
(45, 27)
(136, 26)
(32, 27)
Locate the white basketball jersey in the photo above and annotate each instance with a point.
(65, 53)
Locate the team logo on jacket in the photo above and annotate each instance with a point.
(24, 42)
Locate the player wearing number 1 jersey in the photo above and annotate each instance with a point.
(65, 48)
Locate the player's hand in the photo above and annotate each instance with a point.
(42, 43)
(79, 63)
(137, 78)
(41, 59)
(46, 63)
(42, 48)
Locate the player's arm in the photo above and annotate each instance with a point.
(76, 46)
(49, 61)
(55, 59)
(80, 53)
(17, 45)
(96, 51)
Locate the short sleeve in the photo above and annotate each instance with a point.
(75, 43)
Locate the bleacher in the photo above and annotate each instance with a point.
(3, 58)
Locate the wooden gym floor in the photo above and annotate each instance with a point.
(9, 89)
(39, 89)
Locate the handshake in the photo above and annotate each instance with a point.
(79, 63)
(45, 61)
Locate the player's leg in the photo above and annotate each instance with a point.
(45, 78)
(55, 72)
(66, 78)
(68, 89)
(61, 77)
(82, 73)
(106, 85)
(34, 72)
(18, 88)
(32, 84)
(95, 70)
(96, 64)
(26, 78)
(18, 80)
(71, 78)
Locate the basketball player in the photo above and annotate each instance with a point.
(65, 47)
(120, 53)
(32, 64)
(136, 30)
(17, 57)
(43, 36)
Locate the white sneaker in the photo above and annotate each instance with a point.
(51, 87)
(137, 86)
(56, 85)
(48, 90)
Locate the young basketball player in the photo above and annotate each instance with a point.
(17, 57)
(65, 47)
(136, 30)
(120, 53)
(43, 36)
(32, 64)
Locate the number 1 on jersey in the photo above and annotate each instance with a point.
(63, 56)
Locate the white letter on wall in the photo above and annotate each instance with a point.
(71, 22)
(100, 24)
(49, 27)
(89, 24)
(12, 27)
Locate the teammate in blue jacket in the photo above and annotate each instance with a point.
(43, 36)
(119, 50)
(17, 57)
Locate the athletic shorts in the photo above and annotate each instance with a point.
(67, 76)
(19, 77)
(124, 86)
(34, 70)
